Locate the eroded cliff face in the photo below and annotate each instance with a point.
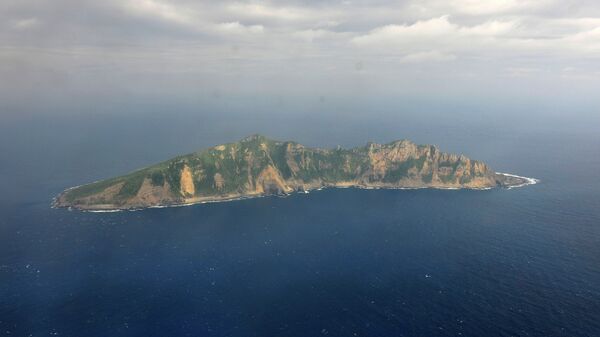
(259, 166)
(186, 182)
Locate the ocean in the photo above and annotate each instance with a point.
(335, 262)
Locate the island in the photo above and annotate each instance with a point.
(259, 166)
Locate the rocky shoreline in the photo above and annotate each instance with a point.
(511, 181)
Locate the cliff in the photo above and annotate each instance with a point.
(258, 166)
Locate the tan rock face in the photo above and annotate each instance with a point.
(290, 153)
(480, 168)
(219, 181)
(269, 180)
(383, 158)
(402, 151)
(378, 162)
(187, 182)
(150, 194)
(232, 152)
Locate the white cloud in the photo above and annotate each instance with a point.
(428, 56)
(489, 28)
(25, 23)
(522, 71)
(447, 39)
(487, 7)
(160, 10)
(583, 44)
(497, 38)
(310, 35)
(431, 28)
(262, 11)
(586, 39)
(236, 27)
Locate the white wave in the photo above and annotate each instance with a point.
(528, 180)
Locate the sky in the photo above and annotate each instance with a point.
(60, 52)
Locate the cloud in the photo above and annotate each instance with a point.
(25, 23)
(259, 11)
(431, 28)
(448, 40)
(159, 10)
(236, 27)
(506, 37)
(522, 71)
(429, 56)
(587, 40)
(310, 35)
(291, 41)
(492, 28)
(487, 7)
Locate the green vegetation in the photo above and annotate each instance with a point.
(157, 178)
(90, 189)
(402, 169)
(132, 185)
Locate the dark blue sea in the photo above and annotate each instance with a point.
(336, 262)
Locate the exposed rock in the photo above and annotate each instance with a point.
(270, 181)
(219, 181)
(187, 182)
(150, 194)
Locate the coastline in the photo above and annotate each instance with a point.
(205, 200)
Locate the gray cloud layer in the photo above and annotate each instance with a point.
(293, 47)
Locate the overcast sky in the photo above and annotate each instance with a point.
(462, 49)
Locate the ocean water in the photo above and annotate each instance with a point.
(336, 262)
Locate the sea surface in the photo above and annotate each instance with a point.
(336, 262)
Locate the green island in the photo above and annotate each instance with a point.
(259, 166)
